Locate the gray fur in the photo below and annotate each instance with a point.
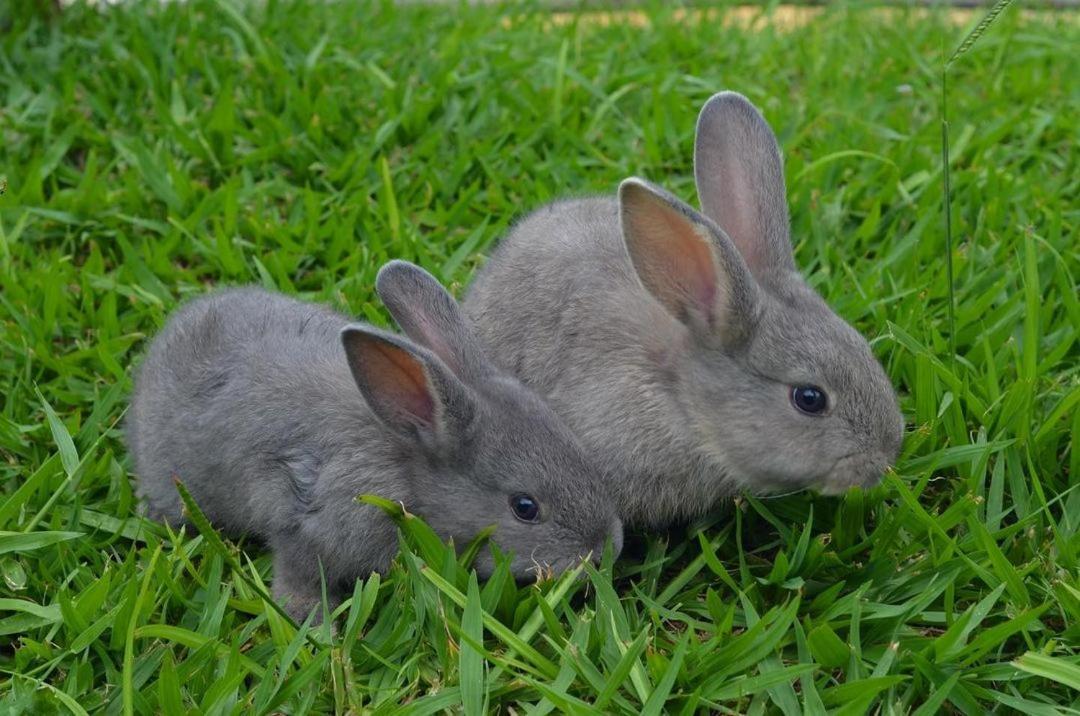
(251, 399)
(683, 393)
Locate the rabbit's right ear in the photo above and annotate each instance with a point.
(429, 315)
(408, 388)
(685, 262)
(740, 182)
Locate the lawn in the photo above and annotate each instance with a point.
(153, 151)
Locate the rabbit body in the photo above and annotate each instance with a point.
(247, 399)
(674, 343)
(251, 399)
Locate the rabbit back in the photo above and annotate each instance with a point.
(246, 398)
(559, 282)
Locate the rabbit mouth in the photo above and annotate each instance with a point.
(858, 469)
(539, 571)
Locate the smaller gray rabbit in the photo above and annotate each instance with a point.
(276, 414)
(683, 348)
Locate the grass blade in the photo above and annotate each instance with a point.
(1050, 667)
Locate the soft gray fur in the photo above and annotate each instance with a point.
(276, 414)
(670, 341)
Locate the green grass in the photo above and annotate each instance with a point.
(152, 152)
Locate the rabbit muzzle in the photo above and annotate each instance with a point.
(861, 469)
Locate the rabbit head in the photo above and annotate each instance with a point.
(491, 452)
(773, 383)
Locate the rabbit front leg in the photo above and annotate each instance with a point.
(297, 583)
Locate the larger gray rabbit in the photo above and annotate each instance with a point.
(276, 414)
(685, 350)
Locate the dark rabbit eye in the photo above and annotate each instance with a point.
(525, 508)
(809, 399)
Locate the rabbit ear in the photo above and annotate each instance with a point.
(407, 388)
(429, 315)
(740, 181)
(684, 261)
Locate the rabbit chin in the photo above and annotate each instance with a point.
(863, 470)
(526, 570)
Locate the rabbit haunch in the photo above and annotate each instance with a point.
(276, 414)
(673, 342)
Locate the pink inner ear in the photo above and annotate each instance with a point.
(402, 379)
(704, 287)
(740, 219)
(673, 258)
(435, 341)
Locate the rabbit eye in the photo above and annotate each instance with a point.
(809, 399)
(525, 508)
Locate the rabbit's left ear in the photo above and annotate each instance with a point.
(408, 388)
(686, 263)
(740, 182)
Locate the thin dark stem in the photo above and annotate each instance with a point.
(948, 207)
(968, 42)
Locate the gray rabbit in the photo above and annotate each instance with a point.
(684, 350)
(276, 414)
